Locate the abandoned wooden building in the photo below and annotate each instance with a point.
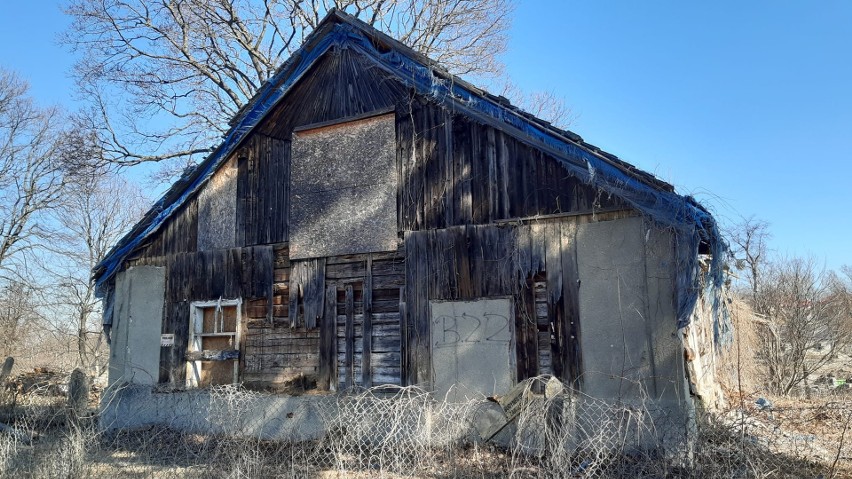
(371, 219)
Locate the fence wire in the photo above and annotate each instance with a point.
(405, 432)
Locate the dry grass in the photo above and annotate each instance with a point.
(406, 434)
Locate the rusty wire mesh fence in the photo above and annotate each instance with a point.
(229, 432)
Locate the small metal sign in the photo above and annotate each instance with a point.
(167, 340)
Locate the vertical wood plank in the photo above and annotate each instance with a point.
(284, 215)
(538, 250)
(572, 357)
(479, 175)
(295, 283)
(526, 336)
(313, 291)
(251, 192)
(449, 180)
(465, 279)
(417, 309)
(524, 253)
(493, 180)
(418, 167)
(405, 340)
(431, 168)
(367, 326)
(555, 315)
(462, 163)
(503, 173)
(454, 275)
(423, 351)
(350, 338)
(273, 192)
(476, 252)
(265, 219)
(408, 181)
(328, 342)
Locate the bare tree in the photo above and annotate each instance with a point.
(17, 312)
(31, 174)
(543, 104)
(842, 292)
(192, 64)
(806, 322)
(749, 240)
(97, 210)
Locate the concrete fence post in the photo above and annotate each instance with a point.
(78, 395)
(6, 370)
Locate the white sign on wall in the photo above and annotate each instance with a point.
(472, 348)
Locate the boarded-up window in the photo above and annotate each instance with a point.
(472, 348)
(217, 206)
(343, 189)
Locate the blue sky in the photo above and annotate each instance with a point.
(746, 105)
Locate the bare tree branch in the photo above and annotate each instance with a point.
(806, 321)
(164, 77)
(749, 240)
(98, 209)
(31, 175)
(543, 104)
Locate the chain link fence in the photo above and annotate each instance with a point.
(550, 432)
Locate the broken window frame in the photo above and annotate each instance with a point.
(196, 324)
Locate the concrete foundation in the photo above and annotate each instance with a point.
(264, 416)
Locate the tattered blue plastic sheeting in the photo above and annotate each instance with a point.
(686, 217)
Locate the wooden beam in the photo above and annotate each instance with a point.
(213, 355)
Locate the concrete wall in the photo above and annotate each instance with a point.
(136, 326)
(630, 346)
(265, 416)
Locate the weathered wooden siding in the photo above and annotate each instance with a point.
(178, 235)
(467, 194)
(263, 192)
(535, 264)
(204, 276)
(454, 171)
(277, 351)
(458, 263)
(368, 289)
(277, 354)
(451, 170)
(341, 84)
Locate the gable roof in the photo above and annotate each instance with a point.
(648, 194)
